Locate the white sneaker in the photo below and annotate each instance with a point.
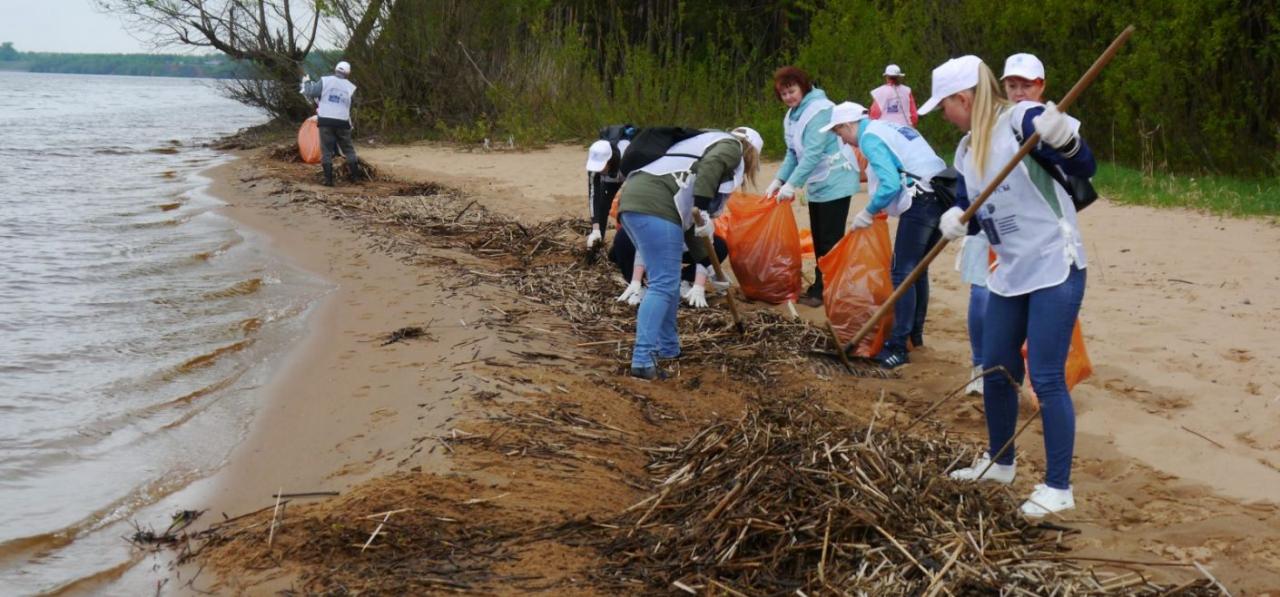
(635, 299)
(1047, 500)
(1000, 473)
(975, 387)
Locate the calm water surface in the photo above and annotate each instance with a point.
(135, 322)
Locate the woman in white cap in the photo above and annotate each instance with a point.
(815, 161)
(893, 100)
(895, 152)
(1037, 290)
(603, 177)
(667, 205)
(1023, 80)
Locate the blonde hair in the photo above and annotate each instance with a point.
(750, 160)
(988, 104)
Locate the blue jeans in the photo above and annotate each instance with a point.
(660, 243)
(917, 233)
(977, 310)
(1043, 319)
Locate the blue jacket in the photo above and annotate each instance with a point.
(818, 146)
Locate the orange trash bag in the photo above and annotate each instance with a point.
(806, 243)
(309, 141)
(764, 247)
(863, 163)
(856, 282)
(1079, 367)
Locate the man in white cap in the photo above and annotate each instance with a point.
(900, 174)
(333, 95)
(603, 176)
(1023, 78)
(893, 101)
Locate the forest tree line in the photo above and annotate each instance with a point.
(1196, 90)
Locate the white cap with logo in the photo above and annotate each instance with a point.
(342, 67)
(893, 71)
(598, 156)
(1025, 66)
(752, 137)
(954, 76)
(845, 112)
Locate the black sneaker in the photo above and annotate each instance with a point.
(917, 340)
(650, 373)
(892, 357)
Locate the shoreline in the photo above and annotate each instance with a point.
(307, 409)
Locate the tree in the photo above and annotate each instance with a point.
(7, 53)
(274, 36)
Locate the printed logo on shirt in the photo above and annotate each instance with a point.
(989, 227)
(1007, 224)
(335, 98)
(909, 133)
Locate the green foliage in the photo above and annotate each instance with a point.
(1223, 195)
(147, 65)
(1196, 90)
(7, 52)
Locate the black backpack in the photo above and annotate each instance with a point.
(615, 133)
(652, 143)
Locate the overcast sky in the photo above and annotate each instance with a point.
(64, 26)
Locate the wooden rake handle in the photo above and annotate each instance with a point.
(1027, 146)
(719, 269)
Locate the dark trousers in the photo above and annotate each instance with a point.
(333, 140)
(917, 233)
(827, 221)
(623, 254)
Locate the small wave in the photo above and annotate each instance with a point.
(223, 248)
(169, 206)
(94, 583)
(250, 325)
(114, 151)
(210, 358)
(163, 150)
(159, 223)
(168, 174)
(243, 288)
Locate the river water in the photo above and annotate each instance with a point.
(135, 321)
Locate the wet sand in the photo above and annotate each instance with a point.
(1176, 453)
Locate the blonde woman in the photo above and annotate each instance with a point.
(1036, 292)
(663, 207)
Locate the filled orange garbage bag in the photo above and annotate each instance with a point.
(764, 247)
(856, 282)
(806, 243)
(309, 141)
(1079, 367)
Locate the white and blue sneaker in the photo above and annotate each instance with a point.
(1047, 500)
(999, 473)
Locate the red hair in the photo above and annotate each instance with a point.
(788, 76)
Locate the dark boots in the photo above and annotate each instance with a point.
(353, 170)
(328, 175)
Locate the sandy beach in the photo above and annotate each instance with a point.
(1178, 429)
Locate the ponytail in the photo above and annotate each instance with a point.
(988, 104)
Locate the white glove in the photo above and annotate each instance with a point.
(696, 297)
(634, 289)
(1054, 127)
(706, 228)
(593, 238)
(786, 193)
(951, 226)
(719, 284)
(772, 188)
(863, 220)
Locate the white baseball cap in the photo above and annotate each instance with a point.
(845, 112)
(342, 67)
(598, 156)
(954, 76)
(893, 71)
(1023, 65)
(751, 136)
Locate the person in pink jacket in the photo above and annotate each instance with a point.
(893, 101)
